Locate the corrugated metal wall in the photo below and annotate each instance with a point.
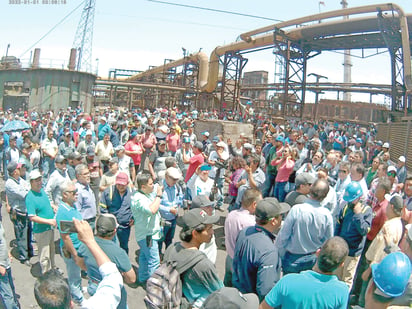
(398, 135)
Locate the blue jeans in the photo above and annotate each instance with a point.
(168, 234)
(280, 192)
(269, 183)
(22, 230)
(7, 291)
(295, 263)
(74, 278)
(48, 168)
(123, 234)
(149, 259)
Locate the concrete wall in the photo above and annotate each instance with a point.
(49, 89)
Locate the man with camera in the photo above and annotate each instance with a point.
(253, 178)
(218, 159)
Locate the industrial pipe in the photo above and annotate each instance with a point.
(212, 78)
(137, 85)
(247, 36)
(199, 57)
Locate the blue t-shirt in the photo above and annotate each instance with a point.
(308, 290)
(116, 254)
(67, 213)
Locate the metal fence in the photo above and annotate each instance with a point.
(398, 135)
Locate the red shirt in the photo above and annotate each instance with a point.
(195, 161)
(132, 146)
(379, 219)
(173, 141)
(148, 141)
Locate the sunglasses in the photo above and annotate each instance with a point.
(343, 171)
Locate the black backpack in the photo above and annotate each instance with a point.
(164, 287)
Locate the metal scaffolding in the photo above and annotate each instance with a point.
(392, 37)
(233, 64)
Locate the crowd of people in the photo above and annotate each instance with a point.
(319, 214)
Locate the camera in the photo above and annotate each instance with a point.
(220, 164)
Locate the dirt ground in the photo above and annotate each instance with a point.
(24, 276)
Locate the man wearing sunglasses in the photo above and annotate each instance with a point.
(69, 242)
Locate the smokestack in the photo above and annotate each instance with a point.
(72, 60)
(36, 59)
(347, 63)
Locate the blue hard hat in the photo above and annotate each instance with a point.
(392, 274)
(352, 192)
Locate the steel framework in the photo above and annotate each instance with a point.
(292, 58)
(392, 37)
(233, 64)
(83, 41)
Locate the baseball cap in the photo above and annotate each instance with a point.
(114, 160)
(215, 139)
(200, 201)
(303, 179)
(89, 132)
(133, 133)
(186, 140)
(395, 200)
(196, 217)
(279, 138)
(35, 174)
(106, 223)
(162, 142)
(25, 146)
(103, 119)
(231, 298)
(198, 145)
(220, 144)
(301, 140)
(269, 208)
(60, 159)
(148, 128)
(402, 159)
(90, 151)
(385, 145)
(119, 148)
(173, 172)
(122, 179)
(205, 133)
(205, 167)
(12, 166)
(391, 168)
(379, 143)
(75, 155)
(248, 146)
(359, 140)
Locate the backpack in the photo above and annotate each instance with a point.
(164, 287)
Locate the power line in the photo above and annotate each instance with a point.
(51, 30)
(215, 10)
